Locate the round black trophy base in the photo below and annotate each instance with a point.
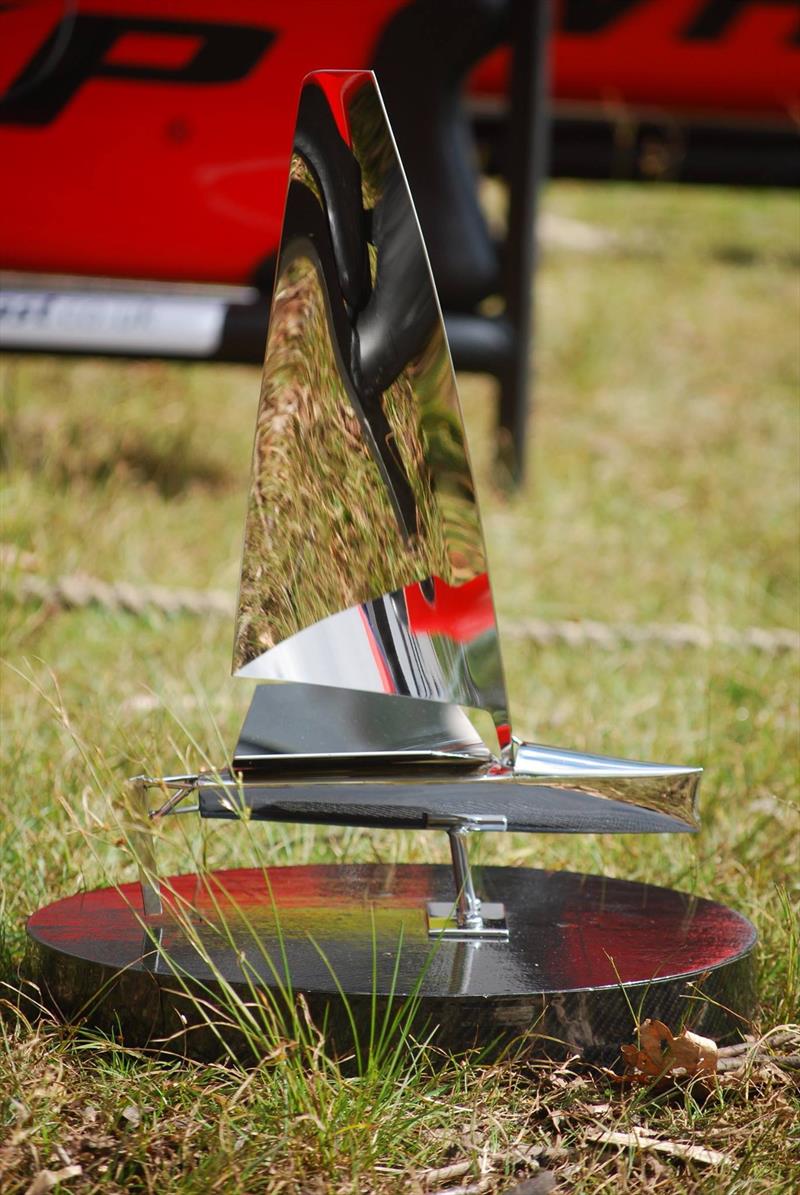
(585, 958)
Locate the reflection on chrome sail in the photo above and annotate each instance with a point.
(363, 564)
(433, 641)
(294, 727)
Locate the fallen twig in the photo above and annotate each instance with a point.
(476, 1188)
(433, 1179)
(638, 1139)
(443, 1174)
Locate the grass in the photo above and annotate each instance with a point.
(663, 488)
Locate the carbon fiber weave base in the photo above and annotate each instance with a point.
(586, 956)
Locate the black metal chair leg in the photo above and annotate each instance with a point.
(527, 156)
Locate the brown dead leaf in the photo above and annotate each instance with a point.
(661, 1053)
(47, 1179)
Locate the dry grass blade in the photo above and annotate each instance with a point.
(639, 1139)
(760, 1053)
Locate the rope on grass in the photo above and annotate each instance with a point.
(586, 633)
(80, 592)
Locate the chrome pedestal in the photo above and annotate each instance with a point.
(468, 917)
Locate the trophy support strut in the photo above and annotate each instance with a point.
(469, 917)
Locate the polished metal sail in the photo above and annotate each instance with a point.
(364, 565)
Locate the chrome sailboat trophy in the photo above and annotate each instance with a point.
(366, 615)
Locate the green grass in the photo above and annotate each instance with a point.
(663, 487)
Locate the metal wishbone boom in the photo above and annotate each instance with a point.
(466, 917)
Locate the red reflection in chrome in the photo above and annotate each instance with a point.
(504, 734)
(339, 87)
(462, 612)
